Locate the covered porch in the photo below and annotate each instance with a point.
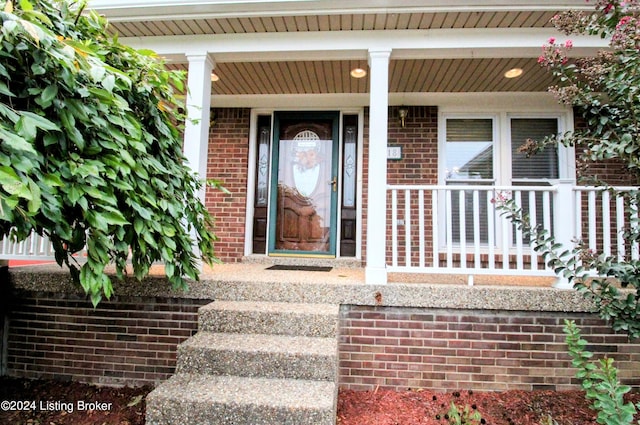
(253, 68)
(250, 66)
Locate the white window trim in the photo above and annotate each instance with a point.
(502, 142)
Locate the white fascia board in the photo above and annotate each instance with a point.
(139, 10)
(443, 43)
(451, 102)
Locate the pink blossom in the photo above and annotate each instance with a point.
(568, 44)
(552, 40)
(623, 21)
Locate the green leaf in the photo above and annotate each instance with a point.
(113, 217)
(109, 82)
(16, 142)
(47, 95)
(4, 89)
(34, 204)
(40, 121)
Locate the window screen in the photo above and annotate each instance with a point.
(469, 149)
(539, 167)
(543, 165)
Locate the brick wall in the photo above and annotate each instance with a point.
(123, 341)
(400, 348)
(419, 163)
(228, 158)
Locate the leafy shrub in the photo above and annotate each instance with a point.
(600, 381)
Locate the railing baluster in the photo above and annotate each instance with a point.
(633, 220)
(463, 229)
(449, 229)
(620, 228)
(546, 214)
(578, 214)
(435, 232)
(394, 228)
(491, 230)
(407, 227)
(506, 231)
(422, 248)
(606, 224)
(533, 217)
(519, 249)
(592, 220)
(476, 229)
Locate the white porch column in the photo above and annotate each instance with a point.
(376, 271)
(196, 131)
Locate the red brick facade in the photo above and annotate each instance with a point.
(122, 341)
(401, 348)
(228, 162)
(228, 158)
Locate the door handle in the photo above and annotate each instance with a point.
(334, 184)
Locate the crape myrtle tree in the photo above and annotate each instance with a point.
(605, 90)
(90, 148)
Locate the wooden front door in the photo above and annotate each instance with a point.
(304, 185)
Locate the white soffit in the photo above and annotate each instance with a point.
(132, 10)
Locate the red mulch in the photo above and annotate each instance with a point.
(37, 399)
(382, 407)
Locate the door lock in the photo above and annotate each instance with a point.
(334, 184)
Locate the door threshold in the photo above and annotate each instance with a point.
(296, 255)
(343, 262)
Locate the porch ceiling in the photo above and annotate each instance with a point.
(406, 76)
(333, 22)
(259, 74)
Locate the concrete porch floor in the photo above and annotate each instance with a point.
(343, 285)
(251, 271)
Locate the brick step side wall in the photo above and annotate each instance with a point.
(401, 348)
(127, 340)
(132, 340)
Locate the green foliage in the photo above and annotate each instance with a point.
(464, 416)
(606, 90)
(91, 153)
(579, 264)
(600, 381)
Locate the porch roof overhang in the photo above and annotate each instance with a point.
(127, 10)
(264, 49)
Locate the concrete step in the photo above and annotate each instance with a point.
(253, 317)
(251, 355)
(207, 399)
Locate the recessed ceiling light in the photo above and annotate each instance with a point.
(358, 72)
(214, 77)
(513, 73)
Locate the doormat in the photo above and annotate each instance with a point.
(300, 268)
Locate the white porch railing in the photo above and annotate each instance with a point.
(456, 228)
(35, 247)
